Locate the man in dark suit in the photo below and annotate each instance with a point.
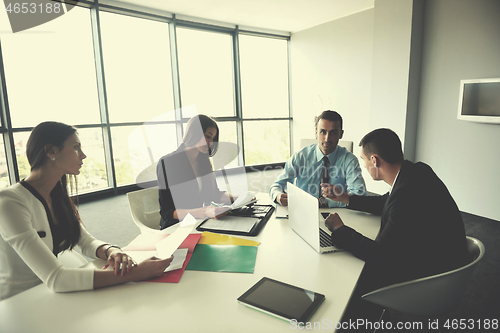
(421, 231)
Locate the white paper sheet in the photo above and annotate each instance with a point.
(281, 212)
(168, 245)
(243, 200)
(177, 263)
(231, 223)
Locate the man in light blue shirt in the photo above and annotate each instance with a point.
(310, 168)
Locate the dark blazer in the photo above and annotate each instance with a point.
(178, 187)
(421, 232)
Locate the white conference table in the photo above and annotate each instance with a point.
(201, 301)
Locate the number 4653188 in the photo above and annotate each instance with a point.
(462, 324)
(33, 8)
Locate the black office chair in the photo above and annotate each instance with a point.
(430, 296)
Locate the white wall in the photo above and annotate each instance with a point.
(360, 66)
(392, 30)
(399, 66)
(331, 66)
(397, 52)
(461, 41)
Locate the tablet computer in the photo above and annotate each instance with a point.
(282, 300)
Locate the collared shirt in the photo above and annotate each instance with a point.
(390, 190)
(305, 168)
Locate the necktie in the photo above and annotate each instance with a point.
(324, 178)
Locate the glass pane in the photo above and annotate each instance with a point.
(23, 167)
(50, 72)
(136, 56)
(4, 171)
(228, 152)
(206, 71)
(266, 141)
(93, 172)
(264, 77)
(227, 134)
(137, 149)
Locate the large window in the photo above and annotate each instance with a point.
(206, 71)
(130, 87)
(264, 90)
(264, 77)
(137, 149)
(266, 141)
(138, 82)
(137, 68)
(50, 72)
(93, 173)
(4, 171)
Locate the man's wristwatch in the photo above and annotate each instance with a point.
(323, 203)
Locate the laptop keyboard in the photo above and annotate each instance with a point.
(325, 239)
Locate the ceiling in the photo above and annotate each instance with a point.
(278, 15)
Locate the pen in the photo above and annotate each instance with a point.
(105, 267)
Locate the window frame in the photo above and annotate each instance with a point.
(7, 131)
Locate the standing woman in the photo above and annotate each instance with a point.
(186, 179)
(39, 221)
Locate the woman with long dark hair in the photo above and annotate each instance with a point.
(39, 220)
(186, 179)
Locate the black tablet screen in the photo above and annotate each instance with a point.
(282, 299)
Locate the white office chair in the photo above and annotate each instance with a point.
(430, 296)
(346, 144)
(145, 209)
(343, 143)
(72, 259)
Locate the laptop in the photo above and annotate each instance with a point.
(306, 220)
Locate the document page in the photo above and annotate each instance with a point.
(231, 223)
(167, 246)
(244, 200)
(179, 257)
(281, 212)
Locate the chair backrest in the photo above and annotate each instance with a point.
(72, 259)
(145, 209)
(430, 296)
(346, 144)
(343, 143)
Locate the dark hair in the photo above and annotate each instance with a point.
(44, 137)
(195, 130)
(328, 115)
(385, 143)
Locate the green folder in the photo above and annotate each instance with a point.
(223, 258)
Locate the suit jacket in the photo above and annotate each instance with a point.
(421, 231)
(179, 188)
